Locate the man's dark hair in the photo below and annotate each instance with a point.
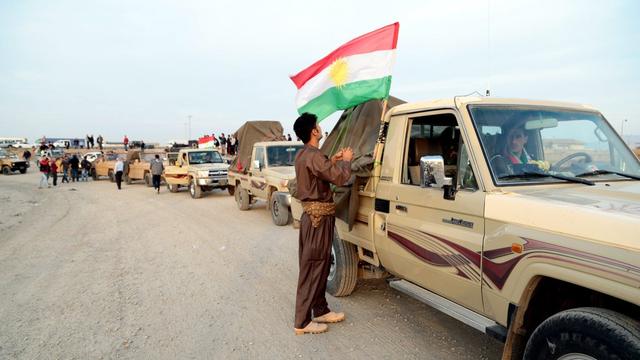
(303, 126)
(157, 156)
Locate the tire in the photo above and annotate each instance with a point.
(23, 171)
(588, 332)
(6, 170)
(172, 188)
(112, 178)
(128, 179)
(94, 175)
(343, 273)
(231, 189)
(279, 214)
(243, 199)
(195, 190)
(147, 179)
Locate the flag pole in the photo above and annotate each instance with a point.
(377, 152)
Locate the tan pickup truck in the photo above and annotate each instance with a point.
(272, 167)
(104, 165)
(140, 166)
(198, 169)
(519, 218)
(9, 162)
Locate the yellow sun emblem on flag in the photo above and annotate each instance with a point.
(339, 72)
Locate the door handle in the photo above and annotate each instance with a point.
(401, 208)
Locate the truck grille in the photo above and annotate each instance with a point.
(218, 173)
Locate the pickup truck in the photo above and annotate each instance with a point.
(10, 162)
(519, 218)
(199, 170)
(272, 167)
(103, 165)
(140, 166)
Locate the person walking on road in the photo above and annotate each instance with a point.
(125, 141)
(86, 167)
(223, 144)
(119, 170)
(157, 167)
(54, 171)
(65, 169)
(45, 168)
(100, 140)
(315, 173)
(74, 163)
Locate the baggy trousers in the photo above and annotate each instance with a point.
(156, 181)
(314, 256)
(119, 179)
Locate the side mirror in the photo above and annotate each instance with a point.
(432, 172)
(256, 165)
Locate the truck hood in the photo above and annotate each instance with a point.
(284, 172)
(216, 166)
(608, 212)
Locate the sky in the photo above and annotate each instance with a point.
(70, 68)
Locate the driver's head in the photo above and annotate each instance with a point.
(516, 139)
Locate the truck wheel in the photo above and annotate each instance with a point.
(148, 180)
(128, 180)
(5, 170)
(194, 189)
(94, 175)
(279, 214)
(242, 198)
(111, 177)
(585, 333)
(231, 189)
(23, 171)
(343, 272)
(172, 188)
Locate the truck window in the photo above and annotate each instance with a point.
(283, 155)
(431, 135)
(260, 156)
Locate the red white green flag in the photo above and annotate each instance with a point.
(357, 71)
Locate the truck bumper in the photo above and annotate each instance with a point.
(213, 182)
(283, 198)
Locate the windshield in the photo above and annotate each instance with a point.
(540, 144)
(282, 155)
(111, 157)
(204, 157)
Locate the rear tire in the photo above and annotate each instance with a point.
(172, 188)
(279, 214)
(94, 175)
(231, 189)
(111, 176)
(23, 171)
(6, 170)
(343, 273)
(194, 189)
(148, 180)
(128, 179)
(243, 200)
(585, 333)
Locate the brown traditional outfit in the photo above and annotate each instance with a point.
(314, 173)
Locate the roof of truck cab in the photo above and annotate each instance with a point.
(462, 101)
(193, 150)
(278, 143)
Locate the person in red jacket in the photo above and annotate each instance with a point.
(54, 172)
(44, 170)
(125, 141)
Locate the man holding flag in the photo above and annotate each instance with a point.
(356, 72)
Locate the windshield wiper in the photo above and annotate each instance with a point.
(606, 172)
(528, 174)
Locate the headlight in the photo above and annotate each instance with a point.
(284, 183)
(203, 173)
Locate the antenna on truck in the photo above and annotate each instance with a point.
(488, 92)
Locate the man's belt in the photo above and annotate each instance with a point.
(316, 210)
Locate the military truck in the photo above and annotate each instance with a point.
(9, 163)
(198, 169)
(263, 168)
(537, 250)
(104, 165)
(140, 166)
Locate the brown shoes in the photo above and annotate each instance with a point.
(330, 317)
(312, 328)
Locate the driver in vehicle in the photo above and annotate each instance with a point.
(514, 149)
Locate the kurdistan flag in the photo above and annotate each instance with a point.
(357, 71)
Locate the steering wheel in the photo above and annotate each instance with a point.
(561, 162)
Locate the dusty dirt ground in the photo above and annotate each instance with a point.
(89, 272)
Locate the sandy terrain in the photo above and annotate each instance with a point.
(89, 272)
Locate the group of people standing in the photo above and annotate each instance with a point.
(91, 142)
(228, 145)
(70, 168)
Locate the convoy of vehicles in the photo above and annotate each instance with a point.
(538, 250)
(272, 167)
(10, 163)
(199, 170)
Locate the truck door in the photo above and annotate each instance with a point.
(258, 184)
(432, 241)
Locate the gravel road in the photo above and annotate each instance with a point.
(89, 272)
